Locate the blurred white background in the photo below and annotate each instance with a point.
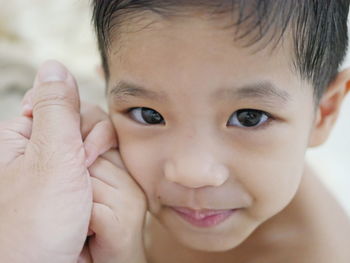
(32, 31)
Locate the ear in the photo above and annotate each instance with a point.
(328, 109)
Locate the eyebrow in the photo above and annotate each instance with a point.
(124, 89)
(264, 91)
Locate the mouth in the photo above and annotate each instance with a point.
(203, 218)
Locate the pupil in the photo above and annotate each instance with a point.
(151, 116)
(249, 118)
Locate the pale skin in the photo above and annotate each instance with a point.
(51, 180)
(216, 166)
(285, 213)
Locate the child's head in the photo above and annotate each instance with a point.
(214, 102)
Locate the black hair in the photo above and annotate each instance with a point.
(318, 27)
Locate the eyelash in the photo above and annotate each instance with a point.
(261, 125)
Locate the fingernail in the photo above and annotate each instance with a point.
(52, 71)
(26, 109)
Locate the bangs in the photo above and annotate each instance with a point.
(318, 28)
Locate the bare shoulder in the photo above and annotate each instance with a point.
(325, 235)
(313, 228)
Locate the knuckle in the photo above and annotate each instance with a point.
(50, 100)
(98, 165)
(104, 129)
(15, 126)
(114, 157)
(55, 93)
(52, 156)
(91, 116)
(101, 138)
(106, 125)
(107, 128)
(63, 170)
(91, 146)
(103, 211)
(22, 122)
(3, 125)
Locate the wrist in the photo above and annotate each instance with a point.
(129, 252)
(135, 253)
(133, 250)
(135, 257)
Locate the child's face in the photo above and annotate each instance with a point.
(202, 148)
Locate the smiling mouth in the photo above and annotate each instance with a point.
(203, 218)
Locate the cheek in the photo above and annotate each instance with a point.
(273, 170)
(143, 164)
(273, 184)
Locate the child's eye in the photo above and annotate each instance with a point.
(146, 116)
(248, 118)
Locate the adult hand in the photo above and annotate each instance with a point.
(45, 187)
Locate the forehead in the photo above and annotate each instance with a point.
(195, 52)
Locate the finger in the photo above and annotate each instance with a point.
(102, 216)
(90, 115)
(110, 174)
(100, 139)
(22, 126)
(113, 240)
(114, 157)
(113, 210)
(56, 116)
(106, 195)
(14, 136)
(27, 103)
(115, 188)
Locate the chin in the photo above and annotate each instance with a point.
(211, 241)
(220, 238)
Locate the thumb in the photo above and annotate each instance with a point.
(56, 103)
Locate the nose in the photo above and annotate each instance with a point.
(195, 170)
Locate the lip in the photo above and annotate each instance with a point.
(203, 218)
